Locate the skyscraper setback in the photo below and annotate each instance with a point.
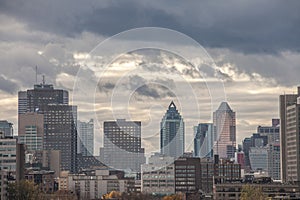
(224, 131)
(172, 133)
(58, 121)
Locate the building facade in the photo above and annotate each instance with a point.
(122, 147)
(6, 128)
(172, 133)
(85, 137)
(285, 101)
(224, 121)
(158, 175)
(203, 140)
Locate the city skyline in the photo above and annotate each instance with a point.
(258, 61)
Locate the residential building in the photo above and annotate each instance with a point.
(8, 152)
(274, 161)
(224, 121)
(172, 133)
(85, 138)
(287, 152)
(122, 145)
(203, 140)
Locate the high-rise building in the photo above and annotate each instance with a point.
(172, 133)
(224, 131)
(158, 175)
(272, 132)
(85, 137)
(7, 152)
(274, 161)
(203, 140)
(289, 137)
(31, 130)
(259, 158)
(6, 128)
(187, 175)
(60, 133)
(59, 122)
(122, 147)
(34, 100)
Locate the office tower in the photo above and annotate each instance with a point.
(172, 133)
(31, 130)
(272, 132)
(6, 128)
(158, 175)
(85, 137)
(240, 157)
(34, 100)
(60, 133)
(187, 175)
(59, 121)
(224, 131)
(289, 137)
(258, 157)
(203, 140)
(122, 145)
(246, 148)
(274, 161)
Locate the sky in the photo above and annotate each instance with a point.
(245, 51)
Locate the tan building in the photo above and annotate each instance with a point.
(31, 130)
(158, 176)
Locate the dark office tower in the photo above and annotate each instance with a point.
(60, 133)
(187, 175)
(285, 101)
(203, 140)
(172, 133)
(122, 147)
(34, 100)
(224, 131)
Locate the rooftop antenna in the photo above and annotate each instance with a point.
(43, 79)
(36, 74)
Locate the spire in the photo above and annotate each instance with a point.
(224, 106)
(172, 105)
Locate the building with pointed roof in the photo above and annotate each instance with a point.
(224, 131)
(172, 133)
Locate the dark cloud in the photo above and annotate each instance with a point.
(7, 85)
(249, 26)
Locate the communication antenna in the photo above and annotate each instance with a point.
(36, 74)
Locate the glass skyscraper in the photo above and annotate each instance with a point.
(172, 133)
(224, 131)
(203, 140)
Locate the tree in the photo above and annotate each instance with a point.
(25, 190)
(252, 193)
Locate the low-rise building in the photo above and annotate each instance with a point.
(95, 183)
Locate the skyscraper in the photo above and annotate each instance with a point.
(224, 131)
(286, 139)
(85, 137)
(172, 133)
(203, 140)
(122, 148)
(59, 121)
